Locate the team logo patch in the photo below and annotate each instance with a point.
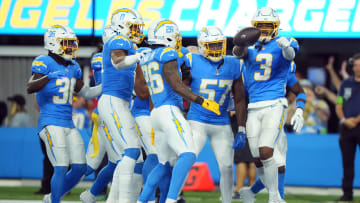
(347, 93)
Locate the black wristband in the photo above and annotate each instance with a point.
(199, 100)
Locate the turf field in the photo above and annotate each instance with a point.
(27, 193)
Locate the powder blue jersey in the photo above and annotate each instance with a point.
(96, 65)
(213, 81)
(160, 91)
(55, 99)
(291, 78)
(118, 83)
(140, 107)
(265, 71)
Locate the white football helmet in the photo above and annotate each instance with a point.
(165, 32)
(128, 22)
(107, 33)
(212, 43)
(61, 40)
(266, 15)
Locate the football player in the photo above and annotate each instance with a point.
(280, 148)
(55, 78)
(265, 73)
(119, 63)
(213, 75)
(101, 141)
(173, 134)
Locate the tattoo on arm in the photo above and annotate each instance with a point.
(173, 78)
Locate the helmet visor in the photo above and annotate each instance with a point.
(136, 32)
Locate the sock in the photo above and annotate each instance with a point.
(271, 178)
(281, 182)
(89, 170)
(179, 173)
(153, 180)
(164, 185)
(113, 194)
(226, 182)
(135, 186)
(257, 186)
(57, 183)
(150, 163)
(73, 177)
(127, 166)
(103, 178)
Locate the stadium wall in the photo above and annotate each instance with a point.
(313, 160)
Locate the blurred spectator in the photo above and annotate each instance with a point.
(18, 117)
(348, 111)
(3, 113)
(326, 93)
(335, 80)
(316, 112)
(80, 116)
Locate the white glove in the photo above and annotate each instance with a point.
(297, 120)
(283, 42)
(141, 55)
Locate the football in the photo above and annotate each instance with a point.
(247, 36)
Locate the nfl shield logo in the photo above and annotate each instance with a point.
(347, 93)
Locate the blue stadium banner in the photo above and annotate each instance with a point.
(299, 18)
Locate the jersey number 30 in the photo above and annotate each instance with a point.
(266, 66)
(67, 89)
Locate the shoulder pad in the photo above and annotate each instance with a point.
(120, 42)
(167, 54)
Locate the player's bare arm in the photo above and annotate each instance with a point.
(173, 78)
(36, 82)
(186, 75)
(297, 89)
(118, 56)
(238, 91)
(140, 87)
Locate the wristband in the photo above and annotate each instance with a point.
(199, 100)
(241, 129)
(342, 121)
(300, 104)
(301, 96)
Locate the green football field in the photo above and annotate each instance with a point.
(26, 193)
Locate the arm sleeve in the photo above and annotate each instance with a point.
(39, 66)
(188, 60)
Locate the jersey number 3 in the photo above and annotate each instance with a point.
(67, 89)
(266, 66)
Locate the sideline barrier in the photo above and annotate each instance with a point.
(312, 160)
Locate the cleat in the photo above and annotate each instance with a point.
(247, 195)
(47, 198)
(87, 197)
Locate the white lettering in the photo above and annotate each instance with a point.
(178, 7)
(337, 18)
(218, 15)
(305, 6)
(241, 18)
(285, 9)
(356, 21)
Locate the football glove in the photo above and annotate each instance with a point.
(211, 106)
(283, 42)
(240, 139)
(56, 74)
(297, 120)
